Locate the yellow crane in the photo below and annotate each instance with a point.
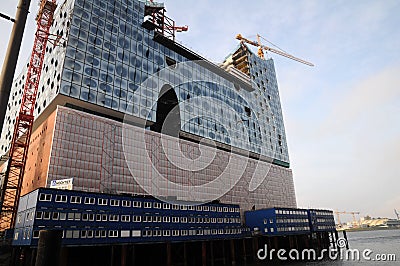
(345, 212)
(262, 47)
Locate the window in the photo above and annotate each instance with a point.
(114, 202)
(136, 233)
(68, 234)
(147, 204)
(183, 207)
(166, 206)
(184, 232)
(175, 219)
(125, 218)
(61, 198)
(16, 235)
(113, 218)
(125, 233)
(175, 232)
(147, 233)
(39, 215)
(90, 200)
(175, 207)
(170, 62)
(183, 219)
(91, 216)
(113, 233)
(75, 199)
(44, 197)
(157, 205)
(137, 218)
(166, 219)
(147, 219)
(85, 216)
(126, 203)
(55, 216)
(102, 201)
(137, 204)
(63, 216)
(46, 215)
(166, 233)
(35, 234)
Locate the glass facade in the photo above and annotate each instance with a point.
(105, 57)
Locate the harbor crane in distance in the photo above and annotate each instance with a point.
(262, 47)
(345, 212)
(18, 153)
(397, 214)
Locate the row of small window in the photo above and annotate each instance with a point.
(292, 220)
(76, 216)
(191, 232)
(135, 204)
(326, 220)
(293, 229)
(325, 227)
(290, 212)
(134, 233)
(324, 213)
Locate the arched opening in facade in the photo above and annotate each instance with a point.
(168, 118)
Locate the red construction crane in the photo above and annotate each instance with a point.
(23, 126)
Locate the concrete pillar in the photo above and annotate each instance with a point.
(49, 247)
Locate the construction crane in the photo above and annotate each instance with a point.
(262, 47)
(345, 212)
(397, 214)
(18, 153)
(159, 22)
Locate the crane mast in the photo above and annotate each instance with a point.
(24, 122)
(262, 47)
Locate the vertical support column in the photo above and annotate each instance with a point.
(233, 256)
(169, 257)
(204, 253)
(223, 252)
(133, 252)
(64, 256)
(212, 252)
(112, 256)
(123, 255)
(185, 254)
(244, 251)
(33, 257)
(49, 247)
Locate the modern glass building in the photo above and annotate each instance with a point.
(123, 108)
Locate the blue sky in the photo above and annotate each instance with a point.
(341, 116)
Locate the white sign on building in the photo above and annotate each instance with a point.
(62, 184)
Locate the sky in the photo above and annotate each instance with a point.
(342, 117)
